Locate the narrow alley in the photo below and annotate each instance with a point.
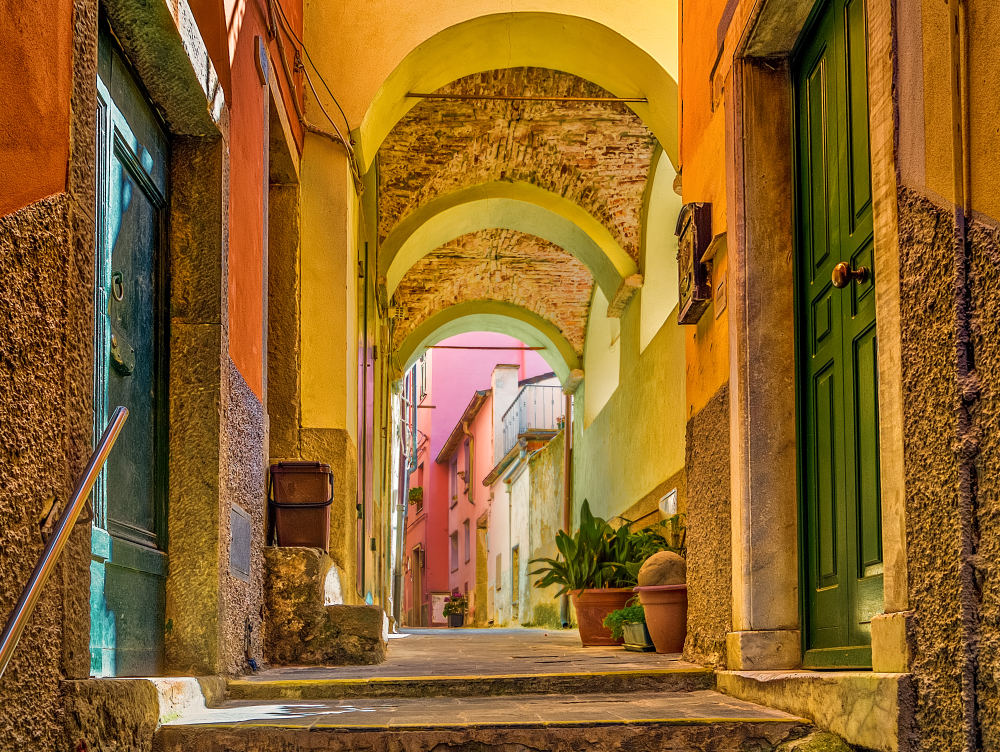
(499, 375)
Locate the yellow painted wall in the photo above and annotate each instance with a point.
(637, 440)
(601, 354)
(659, 269)
(329, 295)
(374, 37)
(937, 69)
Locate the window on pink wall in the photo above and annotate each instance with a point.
(468, 554)
(454, 551)
(453, 481)
(468, 463)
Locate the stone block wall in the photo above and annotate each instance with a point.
(301, 629)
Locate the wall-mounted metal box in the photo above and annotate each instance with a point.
(694, 233)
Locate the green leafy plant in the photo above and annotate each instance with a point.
(629, 615)
(416, 494)
(456, 603)
(600, 555)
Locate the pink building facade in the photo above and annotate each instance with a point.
(448, 376)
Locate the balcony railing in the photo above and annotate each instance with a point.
(536, 408)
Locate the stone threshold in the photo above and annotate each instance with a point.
(580, 682)
(867, 709)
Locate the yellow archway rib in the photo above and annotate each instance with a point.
(493, 316)
(509, 206)
(557, 41)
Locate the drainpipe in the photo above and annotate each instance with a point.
(472, 461)
(567, 494)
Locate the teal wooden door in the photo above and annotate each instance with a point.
(838, 348)
(128, 561)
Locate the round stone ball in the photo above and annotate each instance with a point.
(663, 568)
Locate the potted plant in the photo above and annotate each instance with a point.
(598, 567)
(455, 607)
(662, 590)
(630, 624)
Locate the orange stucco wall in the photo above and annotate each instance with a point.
(703, 165)
(247, 181)
(36, 70)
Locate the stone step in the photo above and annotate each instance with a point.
(698, 721)
(579, 682)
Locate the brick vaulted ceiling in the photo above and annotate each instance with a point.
(594, 154)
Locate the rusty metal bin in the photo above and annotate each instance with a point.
(300, 499)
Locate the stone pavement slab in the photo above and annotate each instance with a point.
(485, 652)
(480, 662)
(700, 707)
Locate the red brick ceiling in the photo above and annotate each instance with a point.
(595, 154)
(500, 265)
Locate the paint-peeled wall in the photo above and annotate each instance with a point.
(545, 494)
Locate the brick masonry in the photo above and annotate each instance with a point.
(499, 265)
(595, 154)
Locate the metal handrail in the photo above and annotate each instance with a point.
(46, 563)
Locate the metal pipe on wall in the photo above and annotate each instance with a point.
(567, 492)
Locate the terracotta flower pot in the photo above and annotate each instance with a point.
(666, 608)
(591, 608)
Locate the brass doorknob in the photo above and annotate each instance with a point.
(843, 275)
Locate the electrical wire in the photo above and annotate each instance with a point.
(306, 125)
(293, 35)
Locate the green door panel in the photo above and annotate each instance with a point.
(128, 563)
(838, 347)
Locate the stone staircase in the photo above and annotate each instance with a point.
(454, 690)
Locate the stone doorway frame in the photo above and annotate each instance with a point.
(755, 84)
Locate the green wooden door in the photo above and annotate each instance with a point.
(128, 563)
(838, 347)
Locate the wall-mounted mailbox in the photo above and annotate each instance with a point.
(694, 233)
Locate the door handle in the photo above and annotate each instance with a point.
(843, 275)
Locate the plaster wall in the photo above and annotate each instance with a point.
(513, 600)
(636, 442)
(36, 73)
(248, 150)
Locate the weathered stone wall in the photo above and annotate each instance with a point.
(985, 304)
(242, 602)
(927, 278)
(302, 629)
(709, 533)
(39, 422)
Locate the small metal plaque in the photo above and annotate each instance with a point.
(240, 543)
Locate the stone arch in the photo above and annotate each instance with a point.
(493, 316)
(510, 206)
(558, 41)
